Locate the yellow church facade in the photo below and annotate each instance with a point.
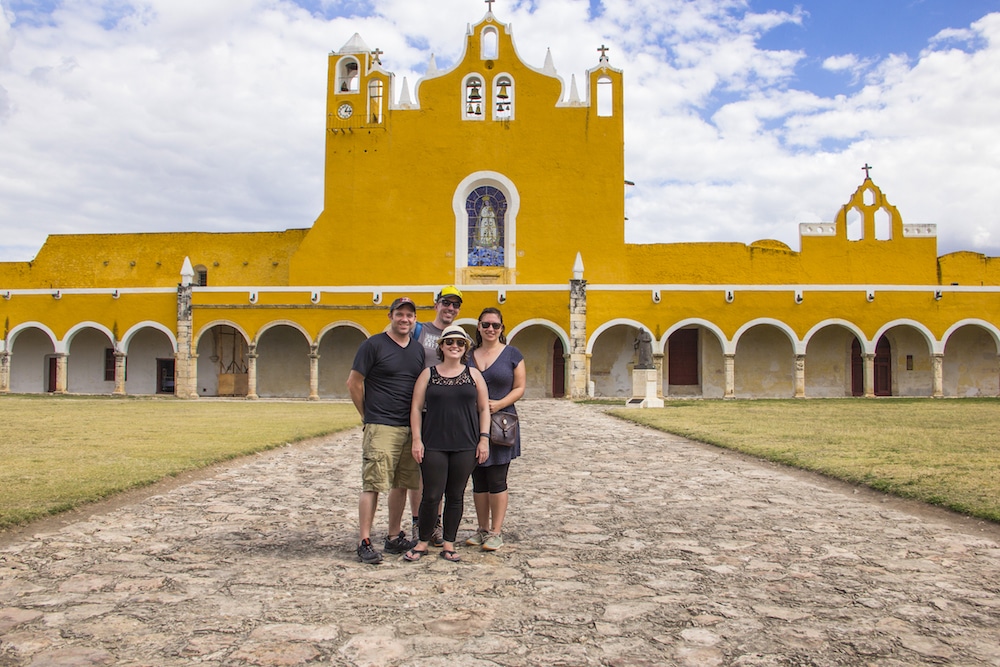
(509, 182)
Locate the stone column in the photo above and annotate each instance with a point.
(800, 376)
(120, 374)
(61, 360)
(185, 361)
(4, 372)
(314, 372)
(252, 372)
(658, 362)
(578, 370)
(730, 361)
(869, 376)
(937, 364)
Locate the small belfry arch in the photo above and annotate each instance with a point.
(348, 75)
(503, 97)
(474, 101)
(489, 43)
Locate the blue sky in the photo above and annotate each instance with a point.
(743, 118)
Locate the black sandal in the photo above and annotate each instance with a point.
(450, 556)
(413, 555)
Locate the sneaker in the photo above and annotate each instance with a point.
(492, 542)
(398, 544)
(437, 538)
(478, 538)
(367, 553)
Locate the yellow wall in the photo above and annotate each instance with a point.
(154, 260)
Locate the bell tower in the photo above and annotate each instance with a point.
(358, 88)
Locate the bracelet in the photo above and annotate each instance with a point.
(484, 435)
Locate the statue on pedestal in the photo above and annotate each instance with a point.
(644, 346)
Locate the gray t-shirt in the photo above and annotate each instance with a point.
(428, 339)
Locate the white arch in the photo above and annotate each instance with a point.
(866, 345)
(467, 185)
(797, 345)
(148, 324)
(77, 328)
(286, 323)
(341, 323)
(971, 321)
(57, 346)
(935, 346)
(548, 324)
(617, 322)
(216, 323)
(723, 341)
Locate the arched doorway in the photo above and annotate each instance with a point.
(222, 362)
(764, 364)
(857, 369)
(558, 369)
(32, 364)
(544, 360)
(883, 367)
(282, 363)
(336, 354)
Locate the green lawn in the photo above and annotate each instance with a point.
(57, 453)
(942, 452)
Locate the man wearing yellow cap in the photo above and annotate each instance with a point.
(447, 303)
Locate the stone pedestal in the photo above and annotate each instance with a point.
(644, 389)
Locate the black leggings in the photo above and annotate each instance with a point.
(491, 479)
(445, 474)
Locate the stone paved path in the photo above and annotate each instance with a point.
(625, 547)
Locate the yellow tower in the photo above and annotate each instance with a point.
(493, 172)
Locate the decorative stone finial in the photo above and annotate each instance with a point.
(187, 272)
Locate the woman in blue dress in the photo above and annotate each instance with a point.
(502, 366)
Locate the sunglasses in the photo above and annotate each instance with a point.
(451, 304)
(491, 325)
(450, 342)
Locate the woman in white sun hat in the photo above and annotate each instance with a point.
(450, 423)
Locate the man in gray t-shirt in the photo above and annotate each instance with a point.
(446, 306)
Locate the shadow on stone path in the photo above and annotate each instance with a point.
(625, 546)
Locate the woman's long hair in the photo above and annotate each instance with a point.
(479, 336)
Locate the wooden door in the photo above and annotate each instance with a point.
(883, 367)
(558, 369)
(682, 359)
(857, 369)
(53, 372)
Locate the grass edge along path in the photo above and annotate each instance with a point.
(941, 452)
(62, 452)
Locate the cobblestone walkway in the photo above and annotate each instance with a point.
(624, 547)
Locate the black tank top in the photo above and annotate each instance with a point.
(451, 422)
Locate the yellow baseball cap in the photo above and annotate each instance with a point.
(450, 290)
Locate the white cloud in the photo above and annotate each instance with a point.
(160, 115)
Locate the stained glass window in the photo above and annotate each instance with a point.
(486, 208)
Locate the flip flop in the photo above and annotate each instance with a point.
(413, 555)
(450, 556)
